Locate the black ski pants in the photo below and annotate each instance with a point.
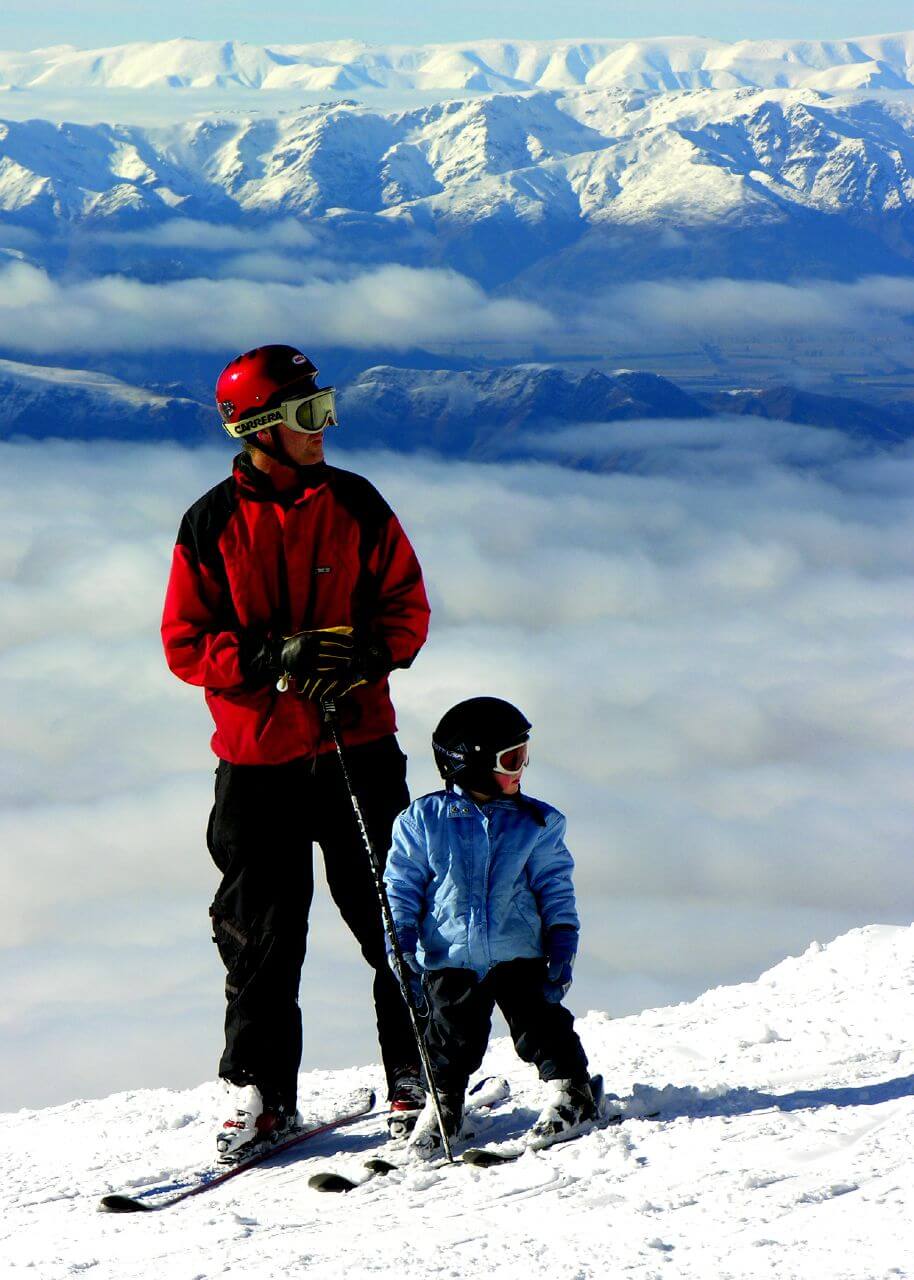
(263, 824)
(460, 1020)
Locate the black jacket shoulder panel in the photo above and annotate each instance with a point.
(372, 514)
(360, 498)
(203, 523)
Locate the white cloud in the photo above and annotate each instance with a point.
(732, 450)
(651, 314)
(717, 660)
(282, 278)
(390, 306)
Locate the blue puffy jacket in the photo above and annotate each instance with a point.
(478, 883)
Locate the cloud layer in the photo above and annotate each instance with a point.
(285, 279)
(390, 306)
(715, 650)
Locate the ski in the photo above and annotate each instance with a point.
(163, 1196)
(482, 1098)
(488, 1157)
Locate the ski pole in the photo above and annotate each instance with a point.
(328, 706)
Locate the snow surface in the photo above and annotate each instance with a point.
(46, 379)
(784, 1148)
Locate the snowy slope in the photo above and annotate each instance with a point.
(40, 400)
(784, 1147)
(469, 412)
(878, 61)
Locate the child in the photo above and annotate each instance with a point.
(480, 889)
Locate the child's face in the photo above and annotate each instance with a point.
(502, 783)
(497, 785)
(505, 784)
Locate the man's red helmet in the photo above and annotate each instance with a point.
(261, 380)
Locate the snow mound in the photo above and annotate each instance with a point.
(769, 1130)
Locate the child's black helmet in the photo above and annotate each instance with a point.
(470, 736)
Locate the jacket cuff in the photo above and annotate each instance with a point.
(408, 938)
(372, 659)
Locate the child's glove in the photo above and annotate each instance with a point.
(409, 940)
(561, 949)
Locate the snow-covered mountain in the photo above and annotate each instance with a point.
(504, 183)
(483, 414)
(473, 414)
(783, 1145)
(879, 61)
(39, 400)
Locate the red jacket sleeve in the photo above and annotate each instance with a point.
(401, 611)
(199, 648)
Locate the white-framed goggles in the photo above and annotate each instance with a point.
(307, 415)
(512, 760)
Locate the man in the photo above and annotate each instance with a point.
(292, 581)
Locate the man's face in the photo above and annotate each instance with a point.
(301, 448)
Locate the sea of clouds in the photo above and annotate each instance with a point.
(715, 647)
(194, 285)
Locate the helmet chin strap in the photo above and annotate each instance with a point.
(277, 450)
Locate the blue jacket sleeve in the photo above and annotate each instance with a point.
(549, 870)
(407, 875)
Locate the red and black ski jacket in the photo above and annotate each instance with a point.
(251, 561)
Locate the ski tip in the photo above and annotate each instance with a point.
(331, 1182)
(122, 1204)
(488, 1083)
(484, 1158)
(381, 1166)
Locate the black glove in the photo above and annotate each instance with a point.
(371, 658)
(307, 654)
(321, 662)
(259, 658)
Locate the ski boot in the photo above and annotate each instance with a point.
(573, 1104)
(253, 1125)
(426, 1142)
(406, 1102)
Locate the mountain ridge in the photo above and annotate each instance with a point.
(507, 183)
(654, 63)
(473, 413)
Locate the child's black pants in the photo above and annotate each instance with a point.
(460, 1019)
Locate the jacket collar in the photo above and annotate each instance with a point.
(257, 485)
(519, 801)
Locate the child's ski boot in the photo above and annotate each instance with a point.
(426, 1142)
(573, 1104)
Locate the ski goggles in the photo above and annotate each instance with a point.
(307, 415)
(512, 760)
